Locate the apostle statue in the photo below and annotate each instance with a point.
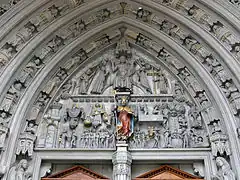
(224, 170)
(20, 171)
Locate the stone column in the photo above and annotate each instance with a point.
(122, 160)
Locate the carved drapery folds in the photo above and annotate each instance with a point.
(224, 171)
(20, 171)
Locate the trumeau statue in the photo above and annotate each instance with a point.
(124, 116)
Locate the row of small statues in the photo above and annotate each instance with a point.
(167, 139)
(100, 139)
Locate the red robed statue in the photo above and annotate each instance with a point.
(125, 122)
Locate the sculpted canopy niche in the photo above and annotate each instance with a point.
(124, 81)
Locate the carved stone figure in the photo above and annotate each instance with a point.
(216, 127)
(74, 139)
(84, 82)
(224, 170)
(52, 85)
(6, 53)
(186, 136)
(51, 47)
(51, 135)
(48, 15)
(202, 98)
(30, 70)
(97, 113)
(16, 88)
(195, 118)
(103, 15)
(232, 93)
(3, 135)
(190, 80)
(101, 80)
(141, 79)
(97, 139)
(143, 14)
(8, 102)
(235, 49)
(222, 33)
(65, 137)
(139, 139)
(161, 83)
(177, 33)
(43, 99)
(220, 144)
(124, 72)
(27, 139)
(25, 34)
(68, 137)
(20, 171)
(176, 139)
(68, 88)
(78, 28)
(166, 26)
(167, 141)
(219, 72)
(199, 16)
(195, 47)
(176, 4)
(4, 118)
(157, 139)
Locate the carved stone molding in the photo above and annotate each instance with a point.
(58, 87)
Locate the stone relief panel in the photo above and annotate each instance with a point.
(166, 116)
(113, 73)
(88, 115)
(105, 39)
(90, 122)
(77, 125)
(173, 124)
